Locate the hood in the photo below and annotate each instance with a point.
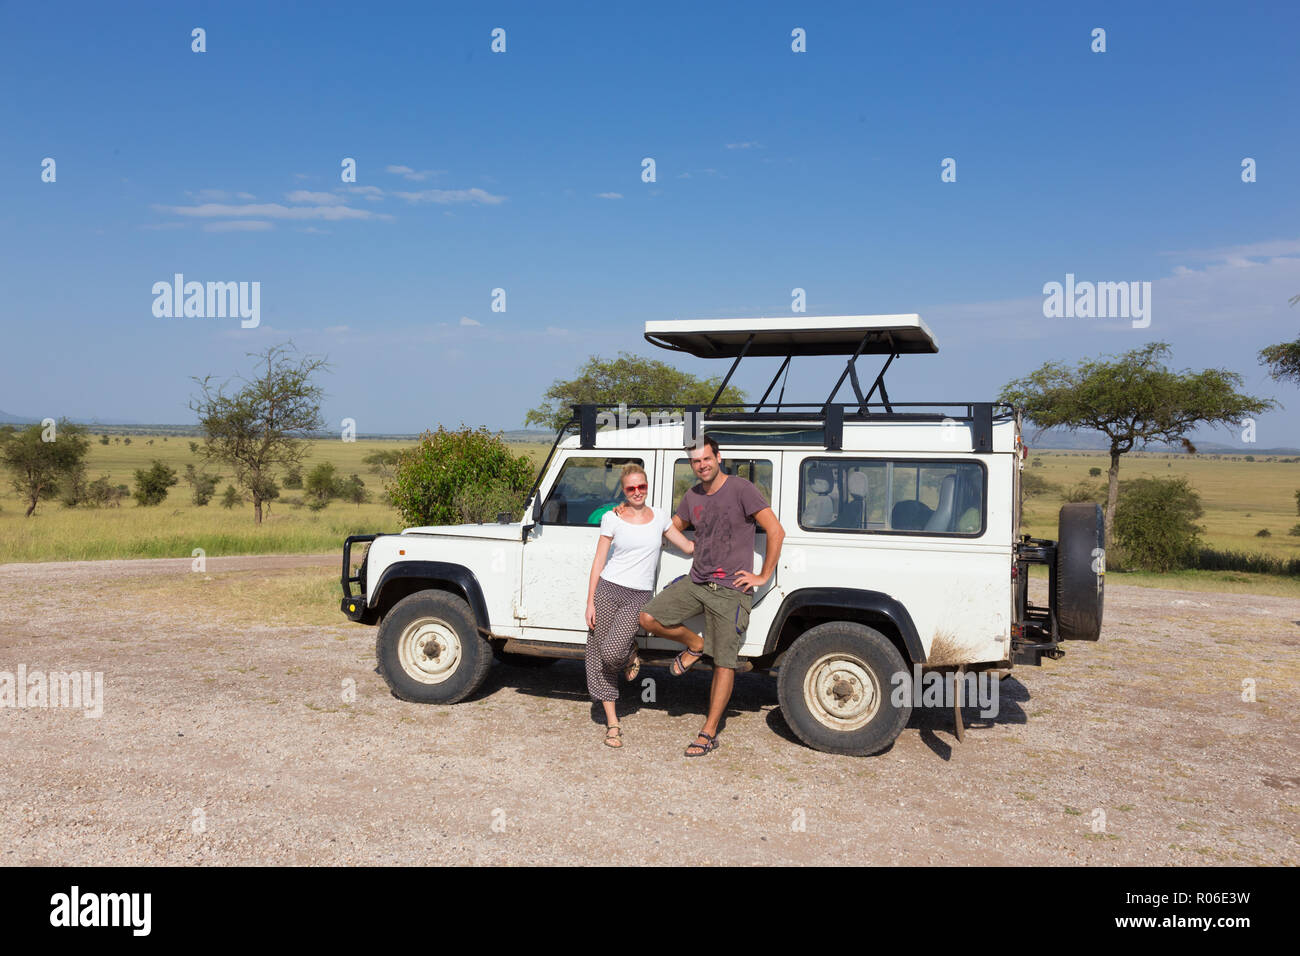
(503, 532)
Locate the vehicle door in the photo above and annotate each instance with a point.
(558, 553)
(760, 467)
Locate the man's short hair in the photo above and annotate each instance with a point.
(706, 440)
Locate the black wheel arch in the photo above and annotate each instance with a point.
(402, 578)
(873, 608)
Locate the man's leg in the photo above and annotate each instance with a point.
(726, 621)
(724, 679)
(680, 601)
(678, 632)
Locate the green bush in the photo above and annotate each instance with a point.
(1086, 491)
(151, 485)
(293, 478)
(1155, 523)
(202, 485)
(1295, 531)
(1297, 501)
(1263, 533)
(1033, 484)
(429, 477)
(1094, 472)
(321, 485)
(478, 504)
(352, 489)
(230, 497)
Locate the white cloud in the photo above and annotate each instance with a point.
(372, 193)
(272, 211)
(466, 320)
(609, 195)
(244, 196)
(416, 175)
(444, 196)
(318, 199)
(744, 146)
(238, 225)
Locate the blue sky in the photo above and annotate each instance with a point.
(522, 170)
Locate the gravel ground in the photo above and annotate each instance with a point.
(227, 741)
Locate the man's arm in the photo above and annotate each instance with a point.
(766, 519)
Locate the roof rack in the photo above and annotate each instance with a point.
(830, 417)
(851, 335)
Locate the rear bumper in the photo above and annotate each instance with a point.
(1034, 633)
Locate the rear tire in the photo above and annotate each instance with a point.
(1080, 572)
(835, 688)
(430, 651)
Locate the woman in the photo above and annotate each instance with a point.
(622, 580)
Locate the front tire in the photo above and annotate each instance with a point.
(836, 689)
(430, 651)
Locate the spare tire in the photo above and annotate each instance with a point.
(1080, 571)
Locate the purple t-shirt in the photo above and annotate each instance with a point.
(724, 529)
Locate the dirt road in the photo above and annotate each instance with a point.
(225, 739)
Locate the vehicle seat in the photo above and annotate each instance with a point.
(818, 508)
(910, 515)
(854, 514)
(941, 520)
(555, 511)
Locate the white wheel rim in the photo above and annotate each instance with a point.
(841, 692)
(429, 650)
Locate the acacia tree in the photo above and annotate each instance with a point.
(632, 380)
(38, 466)
(1283, 360)
(1134, 399)
(263, 425)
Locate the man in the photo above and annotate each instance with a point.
(724, 510)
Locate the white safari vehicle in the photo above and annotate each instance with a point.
(902, 547)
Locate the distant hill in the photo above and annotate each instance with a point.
(1056, 439)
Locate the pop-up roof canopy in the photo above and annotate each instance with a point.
(794, 335)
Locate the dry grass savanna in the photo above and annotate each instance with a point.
(1240, 498)
(178, 526)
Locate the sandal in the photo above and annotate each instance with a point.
(633, 667)
(677, 668)
(703, 748)
(614, 740)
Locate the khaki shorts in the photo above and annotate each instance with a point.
(725, 610)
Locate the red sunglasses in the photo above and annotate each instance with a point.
(632, 488)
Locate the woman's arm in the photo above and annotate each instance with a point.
(597, 565)
(683, 543)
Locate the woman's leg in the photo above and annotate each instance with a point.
(618, 644)
(599, 684)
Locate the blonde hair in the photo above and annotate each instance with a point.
(632, 468)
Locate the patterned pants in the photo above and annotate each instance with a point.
(610, 645)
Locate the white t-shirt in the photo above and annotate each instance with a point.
(634, 553)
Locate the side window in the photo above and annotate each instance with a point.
(584, 491)
(757, 471)
(899, 497)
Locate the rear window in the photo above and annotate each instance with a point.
(885, 496)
